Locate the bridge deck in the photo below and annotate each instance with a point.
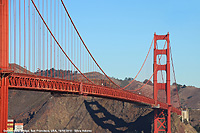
(34, 82)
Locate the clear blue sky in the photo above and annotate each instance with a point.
(119, 33)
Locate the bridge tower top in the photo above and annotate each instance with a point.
(158, 67)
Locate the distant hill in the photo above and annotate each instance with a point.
(19, 69)
(189, 96)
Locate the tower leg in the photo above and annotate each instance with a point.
(155, 120)
(4, 45)
(1, 108)
(4, 104)
(169, 119)
(162, 118)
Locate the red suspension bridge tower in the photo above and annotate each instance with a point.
(4, 72)
(162, 117)
(161, 121)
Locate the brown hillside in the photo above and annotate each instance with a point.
(45, 110)
(19, 69)
(189, 97)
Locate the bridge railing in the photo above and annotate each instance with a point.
(34, 82)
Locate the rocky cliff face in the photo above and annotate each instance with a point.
(45, 110)
(179, 127)
(70, 111)
(194, 118)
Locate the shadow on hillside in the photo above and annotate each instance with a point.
(106, 120)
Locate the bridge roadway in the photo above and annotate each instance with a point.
(35, 82)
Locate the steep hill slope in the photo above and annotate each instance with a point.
(45, 110)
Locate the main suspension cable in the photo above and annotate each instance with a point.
(140, 68)
(58, 42)
(151, 75)
(174, 74)
(86, 46)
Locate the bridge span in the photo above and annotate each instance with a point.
(46, 41)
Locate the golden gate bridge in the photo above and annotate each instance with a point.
(42, 50)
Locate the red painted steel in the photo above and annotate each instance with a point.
(174, 76)
(42, 83)
(35, 82)
(140, 68)
(86, 46)
(4, 34)
(160, 122)
(162, 86)
(58, 42)
(4, 55)
(4, 104)
(151, 75)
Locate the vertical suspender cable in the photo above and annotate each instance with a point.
(54, 41)
(68, 50)
(62, 42)
(19, 34)
(80, 60)
(93, 72)
(51, 37)
(174, 75)
(47, 41)
(141, 66)
(36, 42)
(88, 63)
(39, 43)
(61, 27)
(24, 35)
(85, 45)
(74, 53)
(65, 66)
(83, 61)
(151, 75)
(71, 52)
(58, 63)
(77, 42)
(43, 43)
(58, 42)
(14, 4)
(33, 39)
(10, 13)
(29, 38)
